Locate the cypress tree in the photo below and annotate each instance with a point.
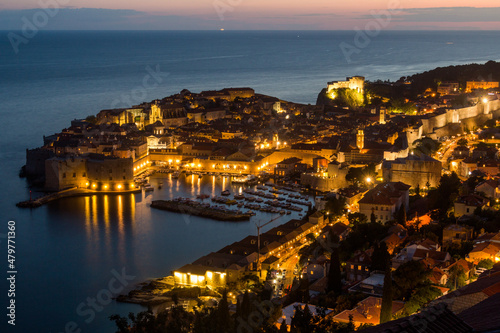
(223, 314)
(246, 307)
(386, 308)
(334, 275)
(380, 257)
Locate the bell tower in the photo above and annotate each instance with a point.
(360, 139)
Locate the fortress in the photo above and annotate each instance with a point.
(355, 83)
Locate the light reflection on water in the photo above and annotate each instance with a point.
(92, 235)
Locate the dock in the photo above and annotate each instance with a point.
(202, 210)
(66, 193)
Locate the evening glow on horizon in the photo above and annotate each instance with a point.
(278, 14)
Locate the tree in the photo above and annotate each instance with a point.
(447, 192)
(380, 257)
(362, 237)
(354, 176)
(347, 97)
(408, 276)
(462, 142)
(359, 176)
(417, 190)
(373, 217)
(223, 318)
(335, 207)
(420, 298)
(426, 146)
(456, 277)
(399, 105)
(485, 263)
(356, 218)
(301, 320)
(334, 274)
(386, 308)
(246, 306)
(401, 215)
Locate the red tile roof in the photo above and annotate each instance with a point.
(484, 316)
(385, 194)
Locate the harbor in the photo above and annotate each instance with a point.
(220, 198)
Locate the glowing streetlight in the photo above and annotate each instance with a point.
(368, 180)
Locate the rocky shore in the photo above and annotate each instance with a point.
(162, 291)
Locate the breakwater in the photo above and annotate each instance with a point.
(198, 209)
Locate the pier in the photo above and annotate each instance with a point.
(67, 193)
(202, 210)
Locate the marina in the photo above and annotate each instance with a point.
(222, 199)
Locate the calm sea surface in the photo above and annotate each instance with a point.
(66, 252)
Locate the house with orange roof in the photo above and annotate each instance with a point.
(385, 200)
(467, 267)
(467, 204)
(367, 312)
(490, 188)
(437, 276)
(396, 237)
(409, 251)
(486, 250)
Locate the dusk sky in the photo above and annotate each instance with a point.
(255, 14)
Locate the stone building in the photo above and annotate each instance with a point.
(456, 234)
(355, 83)
(467, 204)
(65, 172)
(448, 88)
(385, 200)
(413, 170)
(473, 85)
(109, 173)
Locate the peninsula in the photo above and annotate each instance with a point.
(405, 217)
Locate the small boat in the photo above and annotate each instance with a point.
(176, 175)
(288, 212)
(225, 193)
(202, 196)
(148, 188)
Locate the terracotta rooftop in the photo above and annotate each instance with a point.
(488, 285)
(484, 316)
(433, 320)
(367, 311)
(385, 193)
